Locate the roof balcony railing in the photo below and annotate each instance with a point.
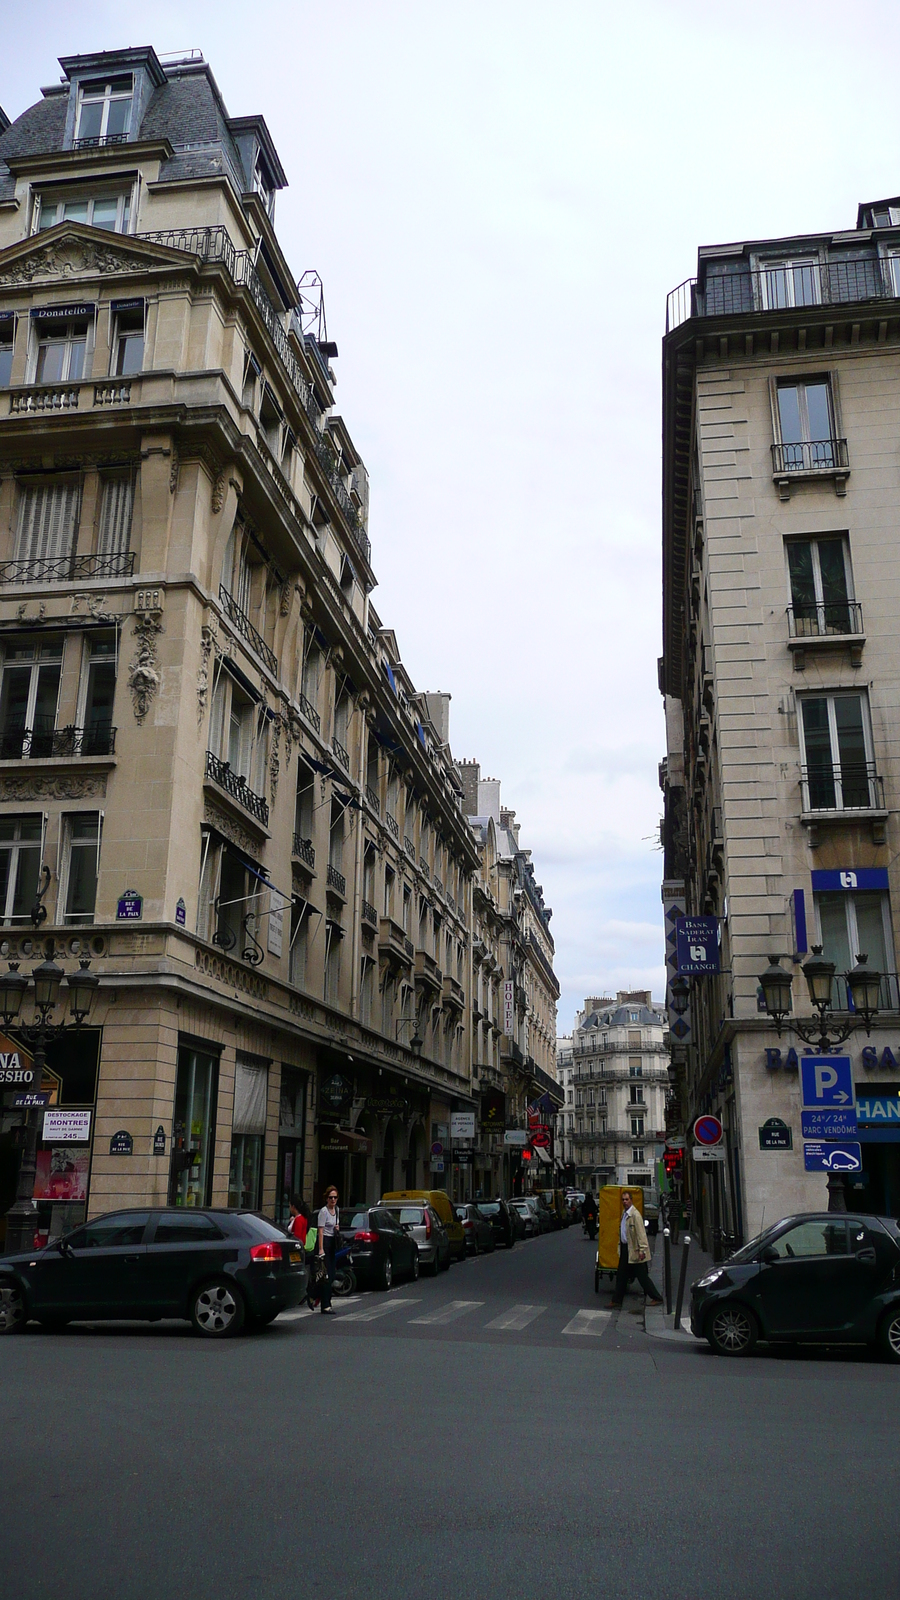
(825, 620)
(66, 569)
(841, 786)
(734, 287)
(236, 786)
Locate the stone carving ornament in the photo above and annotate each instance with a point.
(206, 645)
(66, 787)
(71, 257)
(226, 825)
(143, 674)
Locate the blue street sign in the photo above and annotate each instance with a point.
(697, 944)
(826, 1081)
(832, 1157)
(849, 879)
(834, 1123)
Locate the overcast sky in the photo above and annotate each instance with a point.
(498, 195)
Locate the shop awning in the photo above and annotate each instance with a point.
(542, 1155)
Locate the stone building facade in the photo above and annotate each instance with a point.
(617, 1080)
(217, 780)
(780, 676)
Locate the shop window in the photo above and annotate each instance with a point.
(20, 862)
(116, 510)
(48, 519)
(245, 1173)
(193, 1128)
(60, 347)
(29, 697)
(82, 835)
(128, 338)
(7, 341)
(291, 1141)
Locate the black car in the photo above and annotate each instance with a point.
(381, 1247)
(821, 1277)
(477, 1228)
(222, 1270)
(507, 1224)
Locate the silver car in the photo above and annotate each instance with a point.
(425, 1226)
(529, 1216)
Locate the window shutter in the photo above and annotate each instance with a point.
(48, 521)
(116, 507)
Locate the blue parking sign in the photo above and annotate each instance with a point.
(826, 1081)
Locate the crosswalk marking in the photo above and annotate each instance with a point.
(447, 1313)
(300, 1312)
(379, 1309)
(517, 1318)
(587, 1322)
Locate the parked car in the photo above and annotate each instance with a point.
(423, 1224)
(822, 1277)
(220, 1270)
(506, 1223)
(477, 1228)
(530, 1220)
(440, 1203)
(542, 1211)
(380, 1250)
(556, 1205)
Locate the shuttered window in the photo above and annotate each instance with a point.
(116, 505)
(48, 519)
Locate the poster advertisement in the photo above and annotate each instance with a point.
(62, 1174)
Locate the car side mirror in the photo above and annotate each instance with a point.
(770, 1254)
(64, 1247)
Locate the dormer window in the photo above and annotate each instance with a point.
(886, 217)
(104, 111)
(263, 185)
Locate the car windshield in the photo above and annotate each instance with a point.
(749, 1251)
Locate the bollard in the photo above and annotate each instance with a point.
(682, 1278)
(667, 1270)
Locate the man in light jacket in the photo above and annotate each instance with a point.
(634, 1254)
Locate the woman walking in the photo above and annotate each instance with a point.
(300, 1219)
(328, 1224)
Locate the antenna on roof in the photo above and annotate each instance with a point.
(312, 305)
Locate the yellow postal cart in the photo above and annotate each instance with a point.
(609, 1222)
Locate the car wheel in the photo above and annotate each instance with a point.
(889, 1335)
(217, 1309)
(435, 1265)
(12, 1308)
(732, 1330)
(414, 1273)
(445, 1264)
(387, 1273)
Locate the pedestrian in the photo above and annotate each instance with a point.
(634, 1254)
(328, 1224)
(589, 1214)
(301, 1216)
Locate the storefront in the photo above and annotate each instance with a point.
(291, 1174)
(67, 1103)
(877, 1190)
(193, 1126)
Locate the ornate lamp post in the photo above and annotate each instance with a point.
(48, 980)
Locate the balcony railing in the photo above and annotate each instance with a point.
(98, 140)
(341, 753)
(304, 851)
(373, 800)
(393, 824)
(35, 401)
(438, 886)
(408, 846)
(423, 868)
(830, 620)
(810, 455)
(43, 742)
(369, 914)
(220, 772)
(117, 392)
(735, 288)
(310, 712)
(245, 628)
(846, 786)
(336, 880)
(63, 569)
(888, 994)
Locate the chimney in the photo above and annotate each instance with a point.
(489, 799)
(438, 706)
(469, 774)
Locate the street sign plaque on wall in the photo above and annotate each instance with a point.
(775, 1134)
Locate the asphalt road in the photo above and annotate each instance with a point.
(478, 1438)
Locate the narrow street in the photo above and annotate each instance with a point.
(421, 1442)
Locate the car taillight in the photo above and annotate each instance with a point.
(366, 1236)
(427, 1226)
(468, 1224)
(270, 1251)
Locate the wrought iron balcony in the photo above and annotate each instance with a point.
(336, 880)
(99, 140)
(304, 851)
(844, 786)
(43, 742)
(245, 628)
(341, 753)
(220, 772)
(423, 868)
(888, 994)
(734, 288)
(831, 620)
(369, 914)
(373, 800)
(65, 569)
(810, 455)
(310, 712)
(393, 824)
(409, 847)
(438, 886)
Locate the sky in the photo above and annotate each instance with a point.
(498, 196)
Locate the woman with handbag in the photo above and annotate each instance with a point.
(329, 1224)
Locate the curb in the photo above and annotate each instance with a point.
(660, 1326)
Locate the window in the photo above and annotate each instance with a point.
(886, 217)
(104, 111)
(636, 1095)
(60, 345)
(637, 1127)
(271, 419)
(851, 924)
(48, 519)
(263, 185)
(806, 425)
(126, 1227)
(191, 1228)
(98, 695)
(821, 586)
(334, 935)
(82, 835)
(128, 338)
(28, 699)
(299, 942)
(304, 802)
(251, 1088)
(116, 509)
(790, 283)
(20, 863)
(110, 210)
(237, 731)
(407, 908)
(838, 774)
(236, 567)
(637, 1155)
(193, 1129)
(367, 991)
(233, 900)
(635, 1067)
(811, 1239)
(252, 375)
(7, 340)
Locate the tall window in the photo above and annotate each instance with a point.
(248, 1131)
(48, 519)
(806, 424)
(236, 567)
(237, 731)
(838, 773)
(128, 338)
(7, 340)
(116, 510)
(851, 924)
(104, 110)
(334, 935)
(98, 695)
(367, 991)
(108, 209)
(60, 346)
(20, 865)
(637, 1127)
(821, 585)
(790, 283)
(29, 697)
(193, 1128)
(82, 837)
(299, 942)
(304, 803)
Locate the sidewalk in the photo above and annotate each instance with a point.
(656, 1323)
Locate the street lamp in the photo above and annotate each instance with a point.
(825, 1033)
(48, 979)
(416, 1042)
(776, 987)
(680, 995)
